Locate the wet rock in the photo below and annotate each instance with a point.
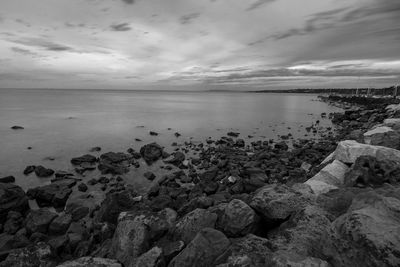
(151, 152)
(29, 169)
(7, 179)
(95, 149)
(277, 202)
(91, 262)
(13, 223)
(204, 249)
(176, 158)
(189, 225)
(113, 157)
(177, 134)
(113, 163)
(368, 234)
(12, 198)
(152, 258)
(54, 194)
(39, 220)
(82, 187)
(233, 134)
(41, 171)
(84, 159)
(16, 127)
(238, 219)
(60, 224)
(153, 133)
(31, 256)
(149, 176)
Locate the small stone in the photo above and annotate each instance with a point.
(149, 176)
(82, 187)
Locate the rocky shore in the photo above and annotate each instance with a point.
(334, 201)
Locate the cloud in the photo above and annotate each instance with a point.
(122, 27)
(129, 1)
(23, 22)
(258, 3)
(23, 51)
(187, 19)
(41, 43)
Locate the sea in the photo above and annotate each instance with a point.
(61, 124)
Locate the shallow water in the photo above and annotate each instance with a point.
(67, 123)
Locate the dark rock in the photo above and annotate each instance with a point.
(201, 202)
(112, 157)
(153, 133)
(189, 225)
(16, 127)
(7, 179)
(91, 262)
(58, 244)
(203, 250)
(12, 198)
(82, 187)
(54, 194)
(177, 134)
(149, 176)
(39, 220)
(84, 159)
(238, 219)
(151, 152)
(171, 249)
(31, 256)
(152, 258)
(60, 224)
(114, 204)
(233, 134)
(13, 223)
(161, 202)
(176, 158)
(41, 171)
(95, 149)
(78, 210)
(281, 145)
(29, 169)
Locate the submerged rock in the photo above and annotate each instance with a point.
(7, 179)
(84, 159)
(41, 171)
(151, 152)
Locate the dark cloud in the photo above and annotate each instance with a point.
(72, 25)
(23, 22)
(258, 3)
(122, 27)
(23, 51)
(42, 43)
(129, 1)
(187, 19)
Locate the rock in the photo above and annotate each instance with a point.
(29, 169)
(171, 249)
(7, 179)
(114, 204)
(91, 262)
(31, 256)
(330, 177)
(16, 127)
(189, 225)
(153, 133)
(12, 198)
(60, 224)
(95, 149)
(285, 259)
(281, 146)
(112, 157)
(238, 219)
(369, 171)
(77, 210)
(277, 202)
(149, 176)
(246, 251)
(106, 167)
(58, 244)
(233, 134)
(82, 187)
(207, 245)
(305, 166)
(368, 234)
(176, 158)
(54, 194)
(135, 232)
(84, 159)
(348, 151)
(39, 220)
(152, 258)
(41, 171)
(13, 223)
(151, 152)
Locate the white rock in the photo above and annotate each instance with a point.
(348, 151)
(306, 166)
(393, 107)
(332, 174)
(232, 179)
(378, 130)
(319, 187)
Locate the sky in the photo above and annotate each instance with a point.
(199, 44)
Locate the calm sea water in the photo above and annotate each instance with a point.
(66, 123)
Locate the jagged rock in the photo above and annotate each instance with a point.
(370, 171)
(91, 262)
(29, 169)
(176, 158)
(41, 171)
(39, 220)
(12, 197)
(151, 152)
(277, 202)
(54, 194)
(13, 223)
(203, 250)
(60, 224)
(135, 232)
(383, 136)
(329, 178)
(114, 204)
(189, 225)
(82, 187)
(113, 157)
(84, 159)
(31, 256)
(368, 234)
(238, 219)
(7, 179)
(152, 258)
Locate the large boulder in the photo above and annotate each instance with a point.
(60, 224)
(12, 197)
(84, 159)
(368, 234)
(55, 194)
(91, 262)
(383, 136)
(151, 152)
(276, 202)
(203, 250)
(238, 219)
(329, 178)
(192, 223)
(152, 258)
(41, 171)
(136, 231)
(39, 220)
(348, 151)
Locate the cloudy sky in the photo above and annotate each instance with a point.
(199, 44)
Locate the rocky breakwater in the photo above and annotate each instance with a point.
(220, 203)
